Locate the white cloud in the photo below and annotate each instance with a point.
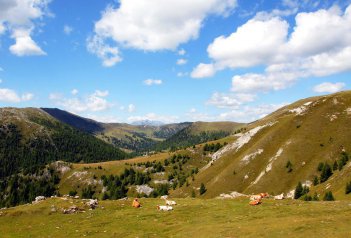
(182, 74)
(192, 110)
(203, 71)
(250, 113)
(256, 42)
(313, 49)
(99, 93)
(74, 92)
(9, 95)
(328, 87)
(234, 101)
(182, 61)
(108, 54)
(103, 118)
(181, 52)
(94, 102)
(150, 82)
(67, 29)
(131, 108)
(27, 97)
(154, 117)
(24, 45)
(153, 25)
(19, 17)
(55, 96)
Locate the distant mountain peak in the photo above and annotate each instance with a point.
(148, 123)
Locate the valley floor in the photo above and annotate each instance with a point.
(190, 218)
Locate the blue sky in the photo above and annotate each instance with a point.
(172, 60)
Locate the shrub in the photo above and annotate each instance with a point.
(348, 188)
(326, 172)
(72, 193)
(328, 196)
(202, 189)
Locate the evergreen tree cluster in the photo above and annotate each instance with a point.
(326, 171)
(117, 185)
(300, 190)
(19, 154)
(186, 138)
(213, 147)
(23, 188)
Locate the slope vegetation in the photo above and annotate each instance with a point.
(286, 147)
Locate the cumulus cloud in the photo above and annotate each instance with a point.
(222, 100)
(103, 118)
(74, 91)
(250, 113)
(24, 45)
(313, 49)
(153, 25)
(181, 52)
(67, 29)
(254, 43)
(19, 17)
(109, 55)
(182, 61)
(94, 102)
(154, 117)
(11, 96)
(328, 87)
(131, 108)
(150, 82)
(203, 71)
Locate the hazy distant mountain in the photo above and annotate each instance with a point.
(147, 123)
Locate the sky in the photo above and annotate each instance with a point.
(172, 60)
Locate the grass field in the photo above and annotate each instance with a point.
(190, 218)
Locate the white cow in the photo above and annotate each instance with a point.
(279, 197)
(164, 208)
(170, 203)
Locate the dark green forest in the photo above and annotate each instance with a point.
(19, 154)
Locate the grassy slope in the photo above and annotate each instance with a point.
(302, 146)
(191, 218)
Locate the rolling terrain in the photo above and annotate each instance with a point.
(149, 136)
(271, 155)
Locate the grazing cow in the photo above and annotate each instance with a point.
(264, 195)
(255, 202)
(279, 197)
(164, 197)
(164, 208)
(136, 203)
(255, 197)
(170, 203)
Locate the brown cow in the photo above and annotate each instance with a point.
(136, 203)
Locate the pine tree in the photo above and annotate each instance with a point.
(298, 191)
(335, 165)
(202, 189)
(328, 196)
(315, 181)
(326, 172)
(193, 194)
(348, 188)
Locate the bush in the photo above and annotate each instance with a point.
(72, 193)
(326, 172)
(202, 189)
(298, 191)
(348, 188)
(328, 196)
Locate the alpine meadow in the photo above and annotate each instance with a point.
(175, 118)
